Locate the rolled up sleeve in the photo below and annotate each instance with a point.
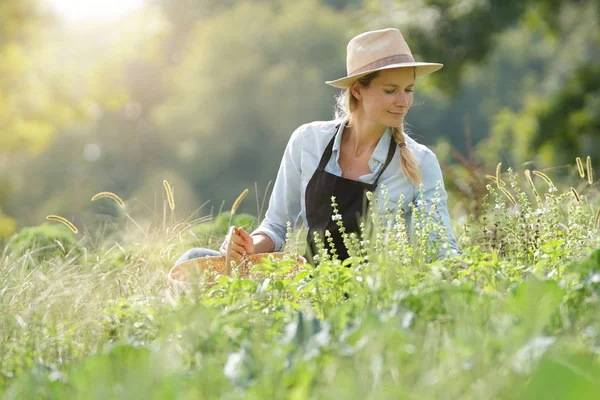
(284, 203)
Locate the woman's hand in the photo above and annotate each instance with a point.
(237, 243)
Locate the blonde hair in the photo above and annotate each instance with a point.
(346, 103)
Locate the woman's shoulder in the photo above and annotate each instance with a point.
(420, 152)
(315, 131)
(318, 127)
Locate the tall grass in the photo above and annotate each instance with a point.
(514, 315)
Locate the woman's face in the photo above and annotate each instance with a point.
(388, 97)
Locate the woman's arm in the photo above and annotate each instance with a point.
(262, 243)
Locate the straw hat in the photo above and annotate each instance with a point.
(377, 50)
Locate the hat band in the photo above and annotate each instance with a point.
(382, 62)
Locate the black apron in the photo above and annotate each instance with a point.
(349, 196)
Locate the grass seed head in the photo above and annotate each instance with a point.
(580, 167)
(64, 221)
(493, 178)
(498, 169)
(109, 195)
(590, 173)
(238, 201)
(528, 177)
(545, 178)
(575, 194)
(530, 181)
(169, 191)
(509, 196)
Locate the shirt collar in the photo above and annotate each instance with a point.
(381, 151)
(379, 154)
(337, 143)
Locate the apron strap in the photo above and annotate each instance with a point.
(391, 152)
(328, 150)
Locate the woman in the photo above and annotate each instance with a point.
(363, 149)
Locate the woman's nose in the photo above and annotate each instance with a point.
(402, 100)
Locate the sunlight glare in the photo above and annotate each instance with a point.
(87, 10)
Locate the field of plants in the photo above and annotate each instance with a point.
(515, 315)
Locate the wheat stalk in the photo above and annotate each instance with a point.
(109, 195)
(580, 167)
(64, 221)
(169, 194)
(597, 219)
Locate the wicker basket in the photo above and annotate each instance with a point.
(205, 270)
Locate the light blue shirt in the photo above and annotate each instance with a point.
(301, 159)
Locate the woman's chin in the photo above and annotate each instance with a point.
(394, 120)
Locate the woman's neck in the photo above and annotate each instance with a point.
(362, 135)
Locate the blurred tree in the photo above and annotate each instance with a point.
(569, 124)
(35, 97)
(342, 4)
(557, 117)
(115, 78)
(462, 33)
(250, 76)
(22, 120)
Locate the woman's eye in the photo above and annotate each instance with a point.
(392, 91)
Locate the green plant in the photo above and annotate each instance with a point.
(44, 242)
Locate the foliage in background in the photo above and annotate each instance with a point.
(155, 101)
(42, 243)
(248, 77)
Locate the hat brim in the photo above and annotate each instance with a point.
(422, 69)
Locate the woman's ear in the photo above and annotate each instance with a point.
(355, 91)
